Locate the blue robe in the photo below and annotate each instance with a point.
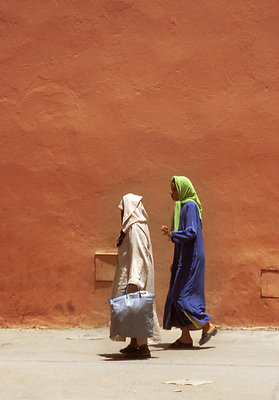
(185, 302)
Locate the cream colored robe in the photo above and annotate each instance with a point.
(135, 257)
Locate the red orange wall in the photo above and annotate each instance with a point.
(102, 98)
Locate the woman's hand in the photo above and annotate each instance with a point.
(132, 288)
(165, 231)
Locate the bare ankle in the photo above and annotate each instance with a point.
(133, 342)
(206, 327)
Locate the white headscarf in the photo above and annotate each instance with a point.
(133, 210)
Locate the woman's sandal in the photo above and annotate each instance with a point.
(180, 345)
(207, 336)
(129, 349)
(141, 352)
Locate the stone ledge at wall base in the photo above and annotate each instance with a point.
(62, 326)
(248, 328)
(49, 322)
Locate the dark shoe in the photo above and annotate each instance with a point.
(129, 349)
(141, 353)
(207, 336)
(180, 345)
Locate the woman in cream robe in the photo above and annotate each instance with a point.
(135, 265)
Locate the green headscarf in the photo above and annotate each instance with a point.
(186, 192)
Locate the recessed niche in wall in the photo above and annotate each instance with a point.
(105, 265)
(270, 283)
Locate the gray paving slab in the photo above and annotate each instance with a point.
(79, 364)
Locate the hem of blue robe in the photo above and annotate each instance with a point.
(194, 321)
(191, 319)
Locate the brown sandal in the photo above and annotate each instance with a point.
(180, 345)
(129, 349)
(207, 336)
(141, 352)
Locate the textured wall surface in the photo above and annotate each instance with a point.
(102, 98)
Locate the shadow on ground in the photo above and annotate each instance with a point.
(166, 346)
(122, 357)
(155, 348)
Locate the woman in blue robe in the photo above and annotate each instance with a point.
(185, 304)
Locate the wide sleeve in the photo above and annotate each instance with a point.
(188, 224)
(139, 257)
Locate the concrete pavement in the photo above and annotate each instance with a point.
(78, 364)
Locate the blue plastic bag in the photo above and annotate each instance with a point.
(132, 315)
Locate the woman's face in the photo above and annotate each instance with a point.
(173, 192)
